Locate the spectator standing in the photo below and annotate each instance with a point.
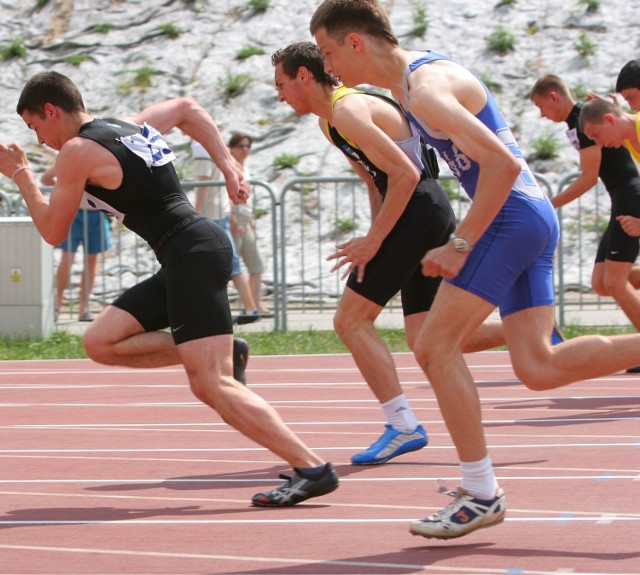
(243, 226)
(213, 202)
(90, 228)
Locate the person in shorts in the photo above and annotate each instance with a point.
(181, 314)
(243, 226)
(410, 214)
(91, 229)
(614, 272)
(500, 254)
(213, 202)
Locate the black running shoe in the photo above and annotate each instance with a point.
(247, 317)
(240, 359)
(298, 488)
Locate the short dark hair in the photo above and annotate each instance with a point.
(305, 54)
(340, 17)
(593, 112)
(237, 137)
(549, 83)
(50, 88)
(629, 76)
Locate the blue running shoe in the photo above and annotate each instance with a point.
(391, 444)
(556, 335)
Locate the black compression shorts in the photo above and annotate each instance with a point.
(426, 223)
(189, 293)
(616, 245)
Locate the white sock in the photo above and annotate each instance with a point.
(478, 478)
(399, 414)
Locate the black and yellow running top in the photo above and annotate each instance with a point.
(354, 153)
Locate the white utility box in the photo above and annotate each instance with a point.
(26, 280)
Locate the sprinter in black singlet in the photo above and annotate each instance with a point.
(614, 272)
(126, 169)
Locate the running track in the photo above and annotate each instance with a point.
(106, 471)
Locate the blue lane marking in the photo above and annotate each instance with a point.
(606, 477)
(514, 572)
(565, 518)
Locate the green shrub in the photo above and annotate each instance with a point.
(283, 161)
(142, 77)
(233, 85)
(345, 225)
(590, 5)
(141, 80)
(501, 40)
(170, 29)
(103, 28)
(420, 22)
(77, 59)
(580, 91)
(258, 6)
(15, 49)
(545, 148)
(248, 51)
(584, 46)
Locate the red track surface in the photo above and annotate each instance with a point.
(106, 470)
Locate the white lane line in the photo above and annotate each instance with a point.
(319, 448)
(604, 474)
(599, 516)
(236, 480)
(536, 399)
(562, 518)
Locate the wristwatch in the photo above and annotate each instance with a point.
(460, 244)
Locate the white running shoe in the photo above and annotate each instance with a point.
(464, 515)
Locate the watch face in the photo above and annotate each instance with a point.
(460, 245)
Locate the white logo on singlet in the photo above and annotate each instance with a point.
(92, 203)
(525, 184)
(150, 146)
(459, 163)
(572, 136)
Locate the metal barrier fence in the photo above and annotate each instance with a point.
(297, 230)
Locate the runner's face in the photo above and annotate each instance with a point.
(632, 96)
(290, 91)
(339, 59)
(605, 134)
(45, 128)
(548, 108)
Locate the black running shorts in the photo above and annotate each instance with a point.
(189, 293)
(426, 223)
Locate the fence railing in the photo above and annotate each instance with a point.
(298, 229)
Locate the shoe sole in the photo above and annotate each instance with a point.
(246, 320)
(432, 536)
(392, 456)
